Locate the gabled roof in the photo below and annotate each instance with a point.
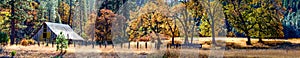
(67, 31)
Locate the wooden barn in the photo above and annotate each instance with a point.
(49, 31)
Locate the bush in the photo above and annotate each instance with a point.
(13, 53)
(3, 37)
(273, 42)
(169, 54)
(61, 42)
(230, 34)
(24, 42)
(31, 41)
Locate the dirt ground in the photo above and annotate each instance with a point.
(46, 52)
(35, 51)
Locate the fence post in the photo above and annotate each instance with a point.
(74, 43)
(137, 45)
(82, 43)
(121, 45)
(105, 43)
(146, 44)
(93, 43)
(86, 43)
(129, 45)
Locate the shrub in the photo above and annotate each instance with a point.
(61, 42)
(169, 54)
(3, 37)
(31, 41)
(13, 53)
(24, 42)
(230, 34)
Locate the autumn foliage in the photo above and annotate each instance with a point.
(63, 10)
(103, 25)
(150, 23)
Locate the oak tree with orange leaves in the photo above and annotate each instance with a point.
(103, 25)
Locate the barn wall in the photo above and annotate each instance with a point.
(39, 34)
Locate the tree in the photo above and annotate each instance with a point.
(189, 14)
(103, 25)
(61, 43)
(254, 18)
(113, 5)
(269, 15)
(5, 20)
(215, 19)
(152, 23)
(155, 13)
(20, 15)
(38, 18)
(119, 34)
(80, 18)
(53, 15)
(90, 26)
(23, 16)
(3, 38)
(291, 21)
(64, 11)
(205, 29)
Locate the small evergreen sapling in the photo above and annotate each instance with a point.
(61, 42)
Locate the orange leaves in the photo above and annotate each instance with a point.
(63, 10)
(34, 5)
(107, 15)
(105, 22)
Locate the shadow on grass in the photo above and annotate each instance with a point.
(60, 55)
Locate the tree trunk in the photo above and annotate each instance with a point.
(99, 44)
(248, 37)
(192, 37)
(137, 45)
(12, 35)
(105, 44)
(129, 45)
(260, 37)
(173, 37)
(213, 30)
(86, 43)
(145, 44)
(121, 45)
(158, 41)
(249, 41)
(75, 44)
(70, 13)
(260, 40)
(58, 16)
(52, 43)
(186, 36)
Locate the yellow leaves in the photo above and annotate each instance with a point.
(1, 19)
(156, 20)
(254, 1)
(259, 10)
(256, 26)
(5, 13)
(64, 12)
(34, 5)
(205, 28)
(4, 16)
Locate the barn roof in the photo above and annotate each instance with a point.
(56, 28)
